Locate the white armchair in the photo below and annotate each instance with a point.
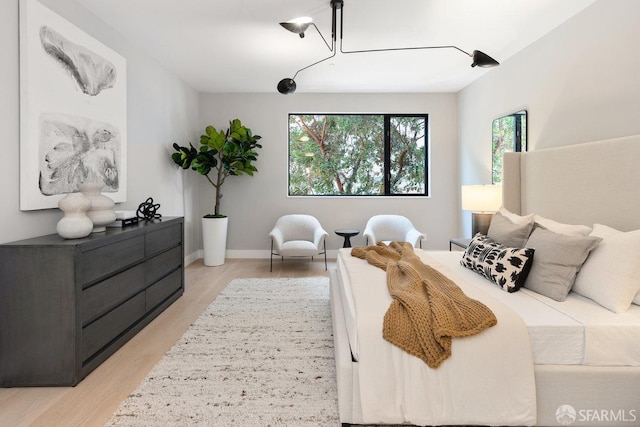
(298, 235)
(387, 228)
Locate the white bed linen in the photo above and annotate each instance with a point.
(556, 339)
(577, 331)
(476, 385)
(610, 339)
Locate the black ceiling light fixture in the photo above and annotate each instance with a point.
(300, 25)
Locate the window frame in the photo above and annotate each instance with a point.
(386, 165)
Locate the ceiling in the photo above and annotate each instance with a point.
(238, 46)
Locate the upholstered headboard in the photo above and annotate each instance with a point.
(593, 182)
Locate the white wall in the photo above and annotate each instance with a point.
(161, 109)
(579, 83)
(254, 203)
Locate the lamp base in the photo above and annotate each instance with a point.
(480, 223)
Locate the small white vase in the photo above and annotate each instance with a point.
(75, 223)
(101, 212)
(214, 240)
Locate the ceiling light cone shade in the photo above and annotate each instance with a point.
(481, 59)
(296, 27)
(286, 86)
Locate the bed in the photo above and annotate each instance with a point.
(546, 362)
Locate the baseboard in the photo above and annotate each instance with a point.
(265, 254)
(247, 253)
(194, 256)
(244, 254)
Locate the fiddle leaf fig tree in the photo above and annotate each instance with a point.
(222, 153)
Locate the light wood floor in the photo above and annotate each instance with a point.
(92, 402)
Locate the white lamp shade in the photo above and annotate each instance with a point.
(481, 198)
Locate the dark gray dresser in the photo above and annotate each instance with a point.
(67, 305)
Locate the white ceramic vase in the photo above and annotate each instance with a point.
(75, 223)
(101, 212)
(214, 240)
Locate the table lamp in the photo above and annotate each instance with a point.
(483, 201)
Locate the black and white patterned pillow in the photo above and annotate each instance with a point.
(506, 267)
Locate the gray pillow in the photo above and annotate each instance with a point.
(558, 259)
(508, 233)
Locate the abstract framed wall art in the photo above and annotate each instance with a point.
(73, 111)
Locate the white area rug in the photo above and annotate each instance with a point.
(260, 355)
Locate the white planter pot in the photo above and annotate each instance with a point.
(214, 239)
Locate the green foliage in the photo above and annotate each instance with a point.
(345, 155)
(506, 139)
(503, 136)
(222, 153)
(407, 155)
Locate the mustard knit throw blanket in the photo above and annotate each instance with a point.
(428, 309)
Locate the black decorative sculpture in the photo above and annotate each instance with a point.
(148, 211)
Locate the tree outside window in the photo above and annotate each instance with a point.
(358, 155)
(509, 133)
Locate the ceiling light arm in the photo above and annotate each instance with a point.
(391, 48)
(286, 85)
(335, 4)
(480, 59)
(325, 40)
(315, 63)
(402, 48)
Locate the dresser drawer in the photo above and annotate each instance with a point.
(165, 238)
(102, 261)
(163, 264)
(160, 290)
(103, 296)
(104, 330)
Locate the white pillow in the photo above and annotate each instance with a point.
(611, 274)
(560, 228)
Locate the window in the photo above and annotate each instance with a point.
(358, 155)
(509, 133)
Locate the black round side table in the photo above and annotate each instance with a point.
(347, 234)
